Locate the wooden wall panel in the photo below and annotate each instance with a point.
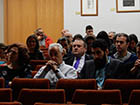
(22, 17)
(50, 17)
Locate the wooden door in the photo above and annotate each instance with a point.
(22, 17)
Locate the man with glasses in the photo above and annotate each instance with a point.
(43, 39)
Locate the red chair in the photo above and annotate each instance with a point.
(2, 83)
(56, 104)
(5, 95)
(10, 103)
(37, 67)
(33, 63)
(33, 73)
(134, 98)
(97, 97)
(19, 83)
(125, 86)
(30, 96)
(70, 85)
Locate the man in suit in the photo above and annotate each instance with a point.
(79, 48)
(102, 66)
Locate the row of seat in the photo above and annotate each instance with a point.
(80, 96)
(37, 103)
(125, 86)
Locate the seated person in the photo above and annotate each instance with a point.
(44, 40)
(136, 69)
(55, 68)
(122, 42)
(102, 66)
(18, 64)
(2, 54)
(79, 56)
(33, 47)
(65, 44)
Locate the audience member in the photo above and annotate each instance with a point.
(33, 47)
(133, 41)
(122, 42)
(2, 54)
(44, 40)
(136, 68)
(79, 56)
(111, 35)
(102, 66)
(89, 30)
(55, 68)
(77, 36)
(18, 64)
(67, 34)
(89, 39)
(65, 44)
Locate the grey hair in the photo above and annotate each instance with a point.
(55, 44)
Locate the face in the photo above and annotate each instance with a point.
(138, 52)
(110, 35)
(12, 54)
(121, 44)
(89, 32)
(56, 55)
(132, 44)
(1, 53)
(68, 35)
(31, 43)
(65, 45)
(40, 34)
(78, 48)
(99, 57)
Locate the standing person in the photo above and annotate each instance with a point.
(55, 68)
(18, 64)
(33, 47)
(43, 39)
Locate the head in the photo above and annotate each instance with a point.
(2, 48)
(133, 41)
(17, 53)
(89, 30)
(89, 39)
(99, 53)
(64, 42)
(39, 33)
(111, 35)
(79, 47)
(32, 43)
(104, 35)
(122, 43)
(138, 50)
(56, 53)
(77, 36)
(67, 34)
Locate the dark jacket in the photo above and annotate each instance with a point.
(114, 69)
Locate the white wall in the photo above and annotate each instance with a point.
(1, 22)
(107, 18)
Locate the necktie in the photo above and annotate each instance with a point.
(77, 63)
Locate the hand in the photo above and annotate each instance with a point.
(52, 64)
(137, 63)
